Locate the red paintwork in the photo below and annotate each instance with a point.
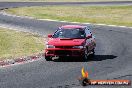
(66, 43)
(74, 52)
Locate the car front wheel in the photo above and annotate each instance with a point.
(93, 54)
(85, 55)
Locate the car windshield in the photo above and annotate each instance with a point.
(69, 33)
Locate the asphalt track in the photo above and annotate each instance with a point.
(113, 58)
(20, 4)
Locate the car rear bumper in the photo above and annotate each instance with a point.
(64, 52)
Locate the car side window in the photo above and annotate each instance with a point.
(82, 33)
(88, 32)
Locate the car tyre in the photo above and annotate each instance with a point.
(93, 53)
(48, 58)
(91, 56)
(85, 56)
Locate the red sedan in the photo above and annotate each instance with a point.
(70, 40)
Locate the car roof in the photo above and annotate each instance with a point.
(72, 27)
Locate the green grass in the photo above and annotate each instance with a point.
(60, 0)
(113, 15)
(16, 44)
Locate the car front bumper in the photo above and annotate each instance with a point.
(64, 52)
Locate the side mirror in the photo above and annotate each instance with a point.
(89, 36)
(49, 36)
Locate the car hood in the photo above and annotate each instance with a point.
(65, 42)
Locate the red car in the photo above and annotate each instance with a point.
(70, 40)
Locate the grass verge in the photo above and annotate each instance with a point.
(112, 15)
(60, 0)
(16, 44)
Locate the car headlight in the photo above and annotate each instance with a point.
(80, 47)
(50, 46)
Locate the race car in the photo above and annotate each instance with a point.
(70, 41)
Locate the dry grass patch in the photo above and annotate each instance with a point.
(114, 15)
(16, 44)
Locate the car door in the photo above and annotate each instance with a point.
(89, 41)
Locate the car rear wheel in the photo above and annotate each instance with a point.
(48, 58)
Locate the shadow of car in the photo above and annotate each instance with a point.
(77, 59)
